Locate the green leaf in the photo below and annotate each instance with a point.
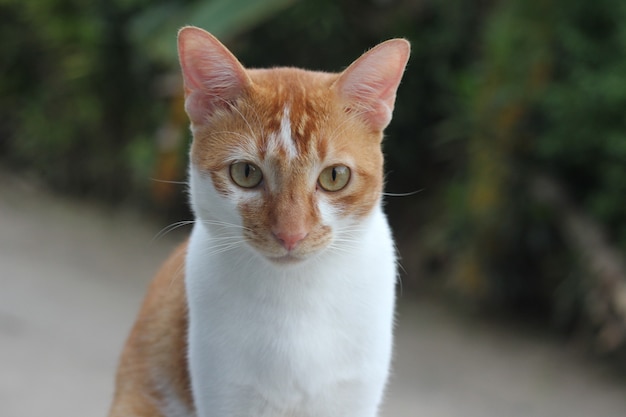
(155, 30)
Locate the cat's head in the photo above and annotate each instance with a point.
(288, 159)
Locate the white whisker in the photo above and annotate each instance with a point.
(170, 228)
(215, 250)
(179, 273)
(233, 107)
(236, 110)
(258, 119)
(170, 182)
(403, 194)
(225, 224)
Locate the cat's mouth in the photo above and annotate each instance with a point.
(288, 259)
(280, 253)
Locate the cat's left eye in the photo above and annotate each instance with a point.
(334, 178)
(245, 174)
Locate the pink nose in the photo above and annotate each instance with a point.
(290, 240)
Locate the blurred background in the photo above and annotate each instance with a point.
(510, 123)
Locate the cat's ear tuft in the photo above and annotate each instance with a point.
(369, 85)
(213, 77)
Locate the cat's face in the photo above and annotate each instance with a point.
(288, 159)
(293, 167)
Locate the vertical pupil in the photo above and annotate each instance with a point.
(334, 174)
(247, 170)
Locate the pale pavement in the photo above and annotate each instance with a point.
(72, 276)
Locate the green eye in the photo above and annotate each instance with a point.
(245, 174)
(334, 178)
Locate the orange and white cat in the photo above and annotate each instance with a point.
(281, 303)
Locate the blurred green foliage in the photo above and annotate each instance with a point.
(583, 126)
(72, 93)
(151, 32)
(495, 93)
(80, 91)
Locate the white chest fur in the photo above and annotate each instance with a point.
(311, 340)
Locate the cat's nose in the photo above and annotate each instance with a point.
(290, 240)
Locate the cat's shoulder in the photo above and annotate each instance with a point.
(153, 367)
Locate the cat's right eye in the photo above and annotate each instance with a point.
(334, 178)
(245, 174)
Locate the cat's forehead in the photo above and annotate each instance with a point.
(293, 108)
(307, 94)
(286, 83)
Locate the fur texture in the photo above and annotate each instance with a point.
(286, 306)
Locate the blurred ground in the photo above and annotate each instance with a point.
(72, 276)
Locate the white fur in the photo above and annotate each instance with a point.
(306, 340)
(283, 139)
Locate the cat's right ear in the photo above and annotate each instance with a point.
(212, 75)
(369, 85)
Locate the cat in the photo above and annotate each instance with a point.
(281, 303)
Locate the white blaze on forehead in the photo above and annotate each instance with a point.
(283, 140)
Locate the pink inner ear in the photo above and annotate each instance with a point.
(212, 75)
(369, 85)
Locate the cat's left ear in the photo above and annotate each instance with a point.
(213, 77)
(369, 85)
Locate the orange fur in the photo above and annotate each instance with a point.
(154, 360)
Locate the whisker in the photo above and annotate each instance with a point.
(347, 243)
(403, 194)
(355, 234)
(224, 244)
(258, 119)
(233, 107)
(221, 248)
(169, 182)
(224, 224)
(179, 273)
(400, 283)
(170, 228)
